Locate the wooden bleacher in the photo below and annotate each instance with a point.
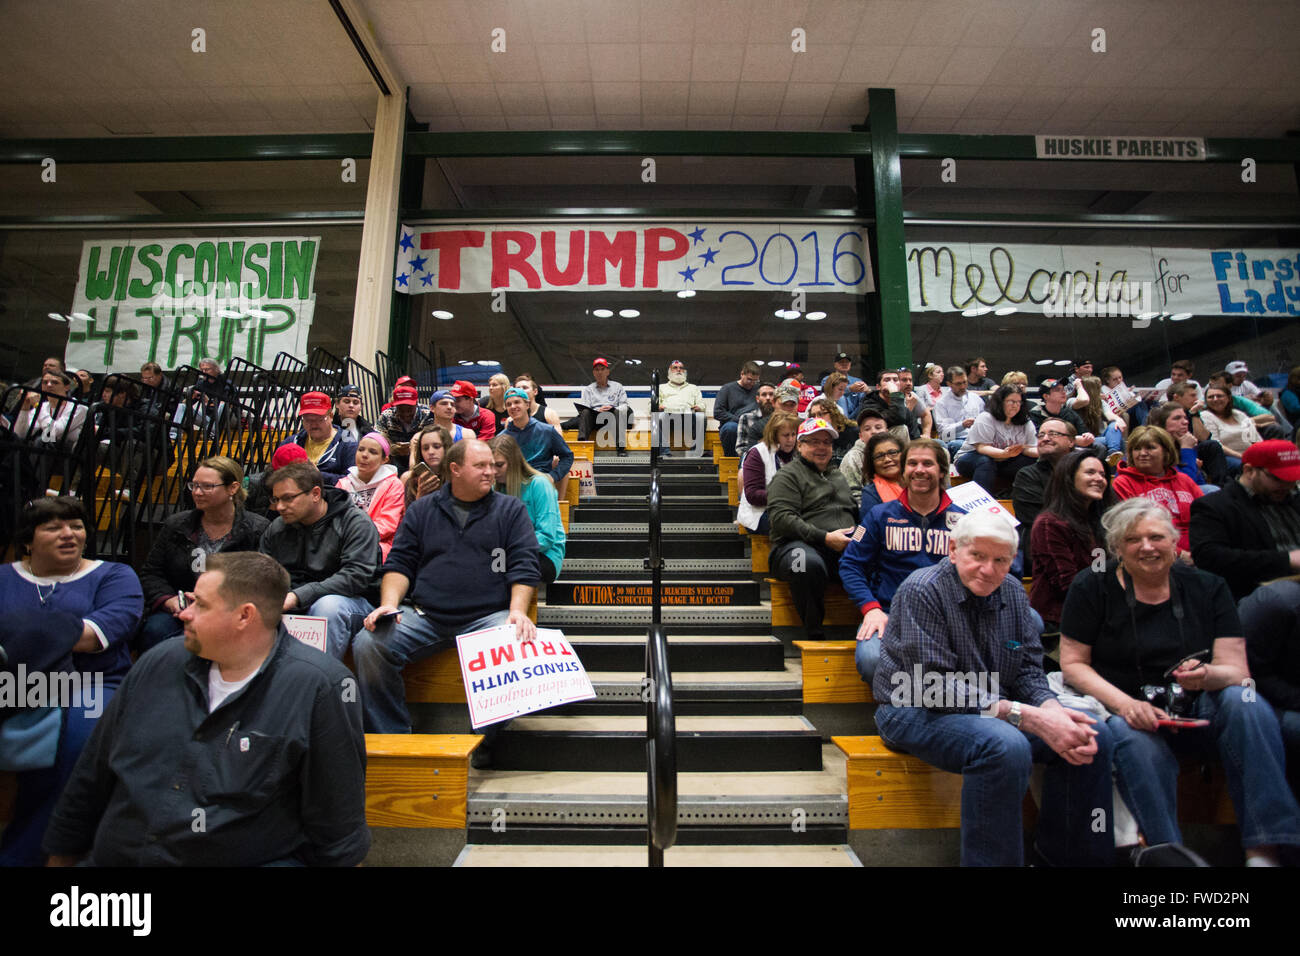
(418, 780)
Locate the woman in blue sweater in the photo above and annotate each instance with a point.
(518, 478)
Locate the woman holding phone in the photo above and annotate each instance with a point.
(427, 452)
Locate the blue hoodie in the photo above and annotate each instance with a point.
(539, 442)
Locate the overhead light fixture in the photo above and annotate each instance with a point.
(776, 364)
(1006, 310)
(1043, 362)
(56, 317)
(259, 313)
(1064, 362)
(788, 314)
(816, 316)
(1180, 317)
(602, 313)
(628, 313)
(976, 311)
(442, 314)
(1147, 316)
(82, 316)
(488, 362)
(685, 293)
(229, 313)
(464, 362)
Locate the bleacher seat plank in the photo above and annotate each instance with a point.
(893, 791)
(565, 505)
(418, 780)
(839, 609)
(760, 548)
(830, 675)
(435, 679)
(584, 450)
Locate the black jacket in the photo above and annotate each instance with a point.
(170, 565)
(1231, 539)
(339, 554)
(277, 771)
(1270, 618)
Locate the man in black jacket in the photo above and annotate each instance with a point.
(238, 747)
(330, 548)
(1249, 532)
(1270, 621)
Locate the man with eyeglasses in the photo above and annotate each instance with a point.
(896, 538)
(327, 447)
(956, 410)
(1056, 438)
(1054, 403)
(812, 515)
(329, 547)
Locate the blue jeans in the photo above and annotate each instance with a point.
(1248, 740)
(158, 627)
(381, 654)
(343, 617)
(995, 760)
(727, 436)
(984, 470)
(1113, 438)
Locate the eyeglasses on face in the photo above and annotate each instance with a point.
(204, 487)
(286, 498)
(885, 455)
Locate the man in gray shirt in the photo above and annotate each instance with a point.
(606, 407)
(733, 399)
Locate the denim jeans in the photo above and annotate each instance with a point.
(727, 438)
(866, 656)
(158, 627)
(995, 760)
(1248, 740)
(1113, 438)
(381, 654)
(984, 471)
(343, 617)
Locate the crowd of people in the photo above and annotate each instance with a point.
(1152, 525)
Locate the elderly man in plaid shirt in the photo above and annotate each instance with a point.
(961, 669)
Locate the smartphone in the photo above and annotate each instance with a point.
(420, 470)
(181, 601)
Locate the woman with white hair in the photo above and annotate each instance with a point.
(1156, 641)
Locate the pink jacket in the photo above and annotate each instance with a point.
(1173, 491)
(383, 499)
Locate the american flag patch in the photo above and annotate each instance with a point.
(858, 533)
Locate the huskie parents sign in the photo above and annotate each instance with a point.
(176, 301)
(712, 256)
(953, 277)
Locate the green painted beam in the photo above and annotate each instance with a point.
(944, 145)
(890, 257)
(1090, 220)
(637, 143)
(495, 214)
(187, 149)
(346, 217)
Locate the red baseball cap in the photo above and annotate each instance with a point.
(315, 403)
(405, 395)
(463, 389)
(1279, 458)
(405, 380)
(286, 454)
(600, 361)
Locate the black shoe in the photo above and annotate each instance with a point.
(622, 453)
(481, 758)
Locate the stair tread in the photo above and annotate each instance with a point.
(792, 673)
(685, 725)
(635, 856)
(579, 639)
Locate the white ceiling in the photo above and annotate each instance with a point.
(1194, 67)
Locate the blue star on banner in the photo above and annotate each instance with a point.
(417, 263)
(401, 280)
(427, 279)
(407, 245)
(697, 235)
(708, 254)
(688, 274)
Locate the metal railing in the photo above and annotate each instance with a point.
(661, 728)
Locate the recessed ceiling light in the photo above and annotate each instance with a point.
(464, 362)
(776, 364)
(1043, 362)
(602, 313)
(487, 361)
(1006, 310)
(1180, 316)
(1064, 362)
(816, 316)
(628, 313)
(442, 314)
(229, 313)
(685, 293)
(788, 314)
(259, 313)
(976, 311)
(56, 317)
(1147, 316)
(81, 315)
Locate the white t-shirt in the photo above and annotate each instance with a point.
(219, 689)
(987, 430)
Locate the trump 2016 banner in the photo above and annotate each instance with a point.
(706, 256)
(505, 678)
(176, 301)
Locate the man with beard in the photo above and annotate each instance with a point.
(749, 429)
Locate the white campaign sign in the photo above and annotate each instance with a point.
(971, 497)
(714, 256)
(505, 678)
(310, 630)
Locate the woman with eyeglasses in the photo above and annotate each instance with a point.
(1155, 641)
(69, 617)
(1000, 442)
(218, 522)
(882, 471)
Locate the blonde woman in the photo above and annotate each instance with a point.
(496, 400)
(521, 480)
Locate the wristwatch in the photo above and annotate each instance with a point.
(1013, 715)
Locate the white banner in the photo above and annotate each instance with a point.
(176, 301)
(1103, 280)
(970, 497)
(711, 256)
(504, 678)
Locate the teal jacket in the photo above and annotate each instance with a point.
(543, 505)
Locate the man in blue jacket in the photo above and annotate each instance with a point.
(464, 559)
(895, 539)
(328, 448)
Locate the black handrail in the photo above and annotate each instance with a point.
(661, 728)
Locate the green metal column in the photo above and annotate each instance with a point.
(889, 313)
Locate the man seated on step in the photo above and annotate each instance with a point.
(330, 548)
(327, 447)
(680, 403)
(812, 515)
(239, 746)
(893, 540)
(960, 685)
(464, 559)
(542, 445)
(468, 413)
(733, 399)
(871, 421)
(750, 425)
(603, 405)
